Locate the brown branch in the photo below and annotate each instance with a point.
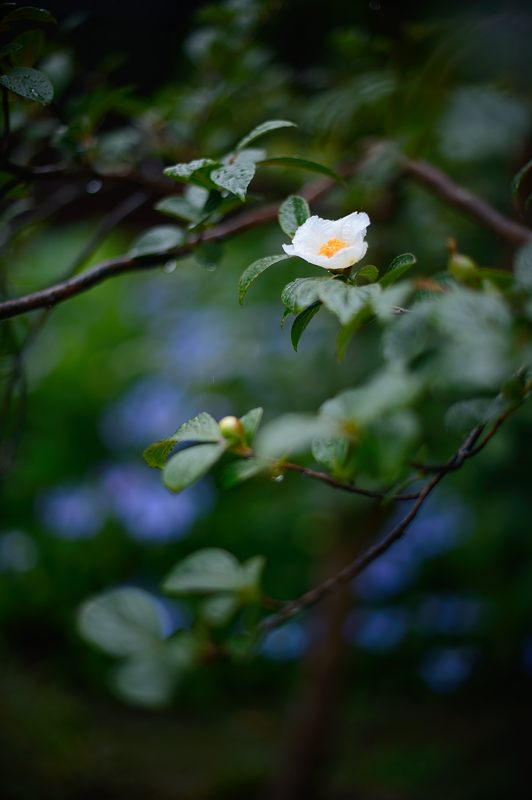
(463, 199)
(360, 563)
(346, 487)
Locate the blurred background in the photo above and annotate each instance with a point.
(416, 682)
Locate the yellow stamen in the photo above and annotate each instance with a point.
(331, 247)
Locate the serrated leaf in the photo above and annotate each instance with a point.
(300, 163)
(187, 466)
(207, 571)
(397, 268)
(178, 207)
(201, 428)
(301, 322)
(121, 621)
(293, 213)
(29, 83)
(235, 178)
(251, 273)
(301, 293)
(159, 239)
(250, 422)
(265, 127)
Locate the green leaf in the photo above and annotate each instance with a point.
(201, 428)
(397, 268)
(243, 470)
(159, 239)
(27, 14)
(293, 213)
(174, 206)
(235, 177)
(187, 466)
(386, 302)
(523, 267)
(302, 292)
(265, 127)
(299, 163)
(250, 423)
(331, 452)
(121, 621)
(301, 321)
(196, 171)
(369, 274)
(346, 301)
(291, 433)
(251, 273)
(210, 570)
(29, 83)
(519, 178)
(219, 609)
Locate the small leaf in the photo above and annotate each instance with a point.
(235, 177)
(219, 609)
(159, 239)
(251, 273)
(121, 621)
(196, 171)
(243, 470)
(293, 213)
(29, 83)
(369, 274)
(331, 452)
(174, 206)
(397, 268)
(301, 321)
(27, 14)
(187, 466)
(265, 127)
(523, 267)
(300, 163)
(206, 571)
(201, 428)
(250, 423)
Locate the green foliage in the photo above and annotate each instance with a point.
(397, 268)
(29, 83)
(157, 240)
(251, 273)
(292, 214)
(187, 466)
(213, 570)
(261, 130)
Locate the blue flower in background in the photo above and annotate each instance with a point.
(444, 669)
(147, 510)
(287, 643)
(73, 511)
(377, 630)
(448, 614)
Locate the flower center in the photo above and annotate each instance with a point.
(331, 247)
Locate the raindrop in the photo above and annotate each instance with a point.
(93, 186)
(278, 478)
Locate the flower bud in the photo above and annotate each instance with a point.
(231, 428)
(462, 268)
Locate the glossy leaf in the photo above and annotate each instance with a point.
(29, 83)
(302, 292)
(201, 428)
(251, 273)
(235, 178)
(265, 127)
(301, 322)
(368, 274)
(397, 268)
(293, 213)
(300, 163)
(27, 14)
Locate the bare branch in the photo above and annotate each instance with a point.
(346, 487)
(310, 598)
(474, 206)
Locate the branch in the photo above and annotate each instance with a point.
(310, 598)
(347, 487)
(463, 199)
(47, 298)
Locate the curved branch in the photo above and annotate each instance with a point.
(346, 487)
(474, 206)
(360, 563)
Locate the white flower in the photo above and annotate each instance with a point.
(331, 243)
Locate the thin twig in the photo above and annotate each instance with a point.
(346, 487)
(360, 563)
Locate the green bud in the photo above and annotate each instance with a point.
(231, 428)
(462, 268)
